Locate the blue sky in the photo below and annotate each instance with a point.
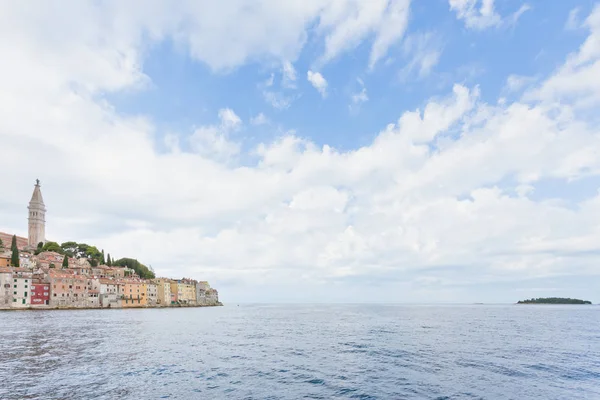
(184, 92)
(441, 151)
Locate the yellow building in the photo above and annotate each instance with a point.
(134, 294)
(186, 291)
(163, 288)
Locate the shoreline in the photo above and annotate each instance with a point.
(49, 308)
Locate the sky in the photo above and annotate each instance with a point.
(314, 151)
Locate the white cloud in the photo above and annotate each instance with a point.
(391, 30)
(481, 14)
(259, 119)
(212, 142)
(347, 23)
(573, 21)
(278, 100)
(229, 119)
(424, 51)
(576, 79)
(318, 82)
(360, 97)
(289, 75)
(430, 202)
(515, 83)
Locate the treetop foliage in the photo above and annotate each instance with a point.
(139, 268)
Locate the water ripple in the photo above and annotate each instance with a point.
(311, 352)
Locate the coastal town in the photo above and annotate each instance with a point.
(38, 274)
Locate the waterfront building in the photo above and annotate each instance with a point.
(174, 292)
(40, 293)
(133, 294)
(21, 289)
(68, 290)
(163, 287)
(186, 291)
(201, 288)
(37, 217)
(110, 295)
(6, 287)
(151, 294)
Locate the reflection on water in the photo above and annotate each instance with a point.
(290, 352)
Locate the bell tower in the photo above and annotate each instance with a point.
(37, 217)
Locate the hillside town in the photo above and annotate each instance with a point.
(31, 278)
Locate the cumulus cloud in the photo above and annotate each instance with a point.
(440, 198)
(318, 82)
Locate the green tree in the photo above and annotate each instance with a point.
(70, 248)
(138, 267)
(13, 244)
(103, 260)
(108, 261)
(52, 266)
(65, 263)
(53, 246)
(14, 259)
(1, 244)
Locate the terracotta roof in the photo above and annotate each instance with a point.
(7, 240)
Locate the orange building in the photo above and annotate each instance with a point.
(134, 294)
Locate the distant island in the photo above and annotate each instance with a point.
(554, 300)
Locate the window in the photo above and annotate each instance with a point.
(54, 294)
(15, 286)
(15, 280)
(25, 295)
(25, 280)
(25, 285)
(23, 301)
(14, 300)
(14, 292)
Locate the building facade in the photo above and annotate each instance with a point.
(186, 291)
(40, 293)
(6, 288)
(163, 287)
(21, 289)
(67, 290)
(110, 296)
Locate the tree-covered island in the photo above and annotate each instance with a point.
(553, 300)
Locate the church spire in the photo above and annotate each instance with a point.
(36, 197)
(37, 217)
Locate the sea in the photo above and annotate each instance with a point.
(256, 351)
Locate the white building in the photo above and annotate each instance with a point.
(21, 290)
(110, 294)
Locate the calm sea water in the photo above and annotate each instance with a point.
(293, 352)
